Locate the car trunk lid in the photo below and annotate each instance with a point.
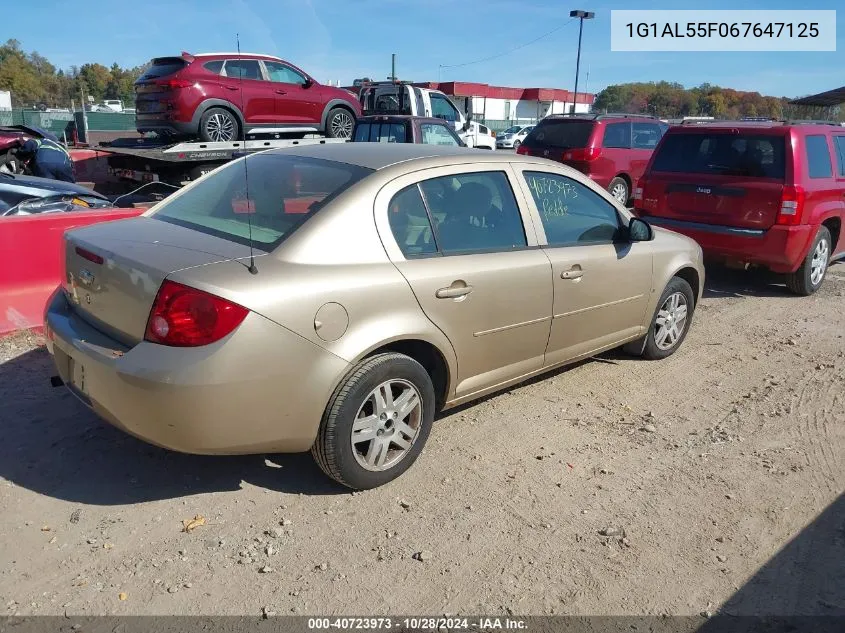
(719, 177)
(113, 270)
(154, 88)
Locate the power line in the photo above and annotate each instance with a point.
(497, 55)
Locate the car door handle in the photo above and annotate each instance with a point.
(230, 87)
(453, 292)
(281, 92)
(573, 273)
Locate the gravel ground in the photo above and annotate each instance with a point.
(711, 481)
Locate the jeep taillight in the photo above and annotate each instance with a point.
(791, 205)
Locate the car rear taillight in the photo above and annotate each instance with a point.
(791, 205)
(583, 154)
(91, 257)
(638, 189)
(523, 150)
(174, 84)
(182, 316)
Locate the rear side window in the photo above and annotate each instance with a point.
(818, 156)
(410, 223)
(464, 213)
(748, 155)
(284, 191)
(163, 67)
(215, 66)
(645, 135)
(562, 133)
(617, 135)
(839, 141)
(380, 133)
(243, 69)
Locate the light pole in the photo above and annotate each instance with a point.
(582, 15)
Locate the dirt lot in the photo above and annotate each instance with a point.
(718, 471)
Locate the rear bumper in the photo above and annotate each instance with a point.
(262, 389)
(161, 123)
(781, 249)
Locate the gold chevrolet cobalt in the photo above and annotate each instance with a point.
(335, 297)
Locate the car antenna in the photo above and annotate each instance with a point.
(251, 268)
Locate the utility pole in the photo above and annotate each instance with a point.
(582, 15)
(393, 66)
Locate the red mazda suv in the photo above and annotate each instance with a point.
(219, 96)
(768, 194)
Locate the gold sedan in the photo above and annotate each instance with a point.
(335, 297)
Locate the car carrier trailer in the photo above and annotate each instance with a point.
(145, 160)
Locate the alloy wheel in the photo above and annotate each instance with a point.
(818, 265)
(387, 425)
(220, 127)
(620, 192)
(671, 321)
(341, 125)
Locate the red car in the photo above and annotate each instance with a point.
(219, 96)
(753, 194)
(612, 149)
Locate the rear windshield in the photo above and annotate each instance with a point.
(163, 67)
(561, 133)
(380, 133)
(748, 155)
(284, 191)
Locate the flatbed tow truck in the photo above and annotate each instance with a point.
(146, 160)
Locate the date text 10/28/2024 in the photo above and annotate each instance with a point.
(417, 623)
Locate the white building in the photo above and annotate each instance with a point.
(498, 103)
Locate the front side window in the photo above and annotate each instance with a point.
(283, 74)
(818, 157)
(617, 136)
(442, 108)
(458, 214)
(282, 193)
(436, 134)
(572, 214)
(242, 69)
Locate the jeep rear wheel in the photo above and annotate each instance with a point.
(809, 277)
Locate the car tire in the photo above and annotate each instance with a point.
(619, 189)
(810, 275)
(219, 125)
(355, 464)
(10, 163)
(654, 345)
(339, 123)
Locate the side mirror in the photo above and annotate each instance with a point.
(308, 82)
(640, 231)
(468, 123)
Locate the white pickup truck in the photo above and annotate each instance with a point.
(403, 98)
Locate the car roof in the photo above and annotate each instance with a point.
(380, 155)
(236, 54)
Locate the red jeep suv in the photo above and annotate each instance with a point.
(219, 96)
(753, 194)
(612, 149)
